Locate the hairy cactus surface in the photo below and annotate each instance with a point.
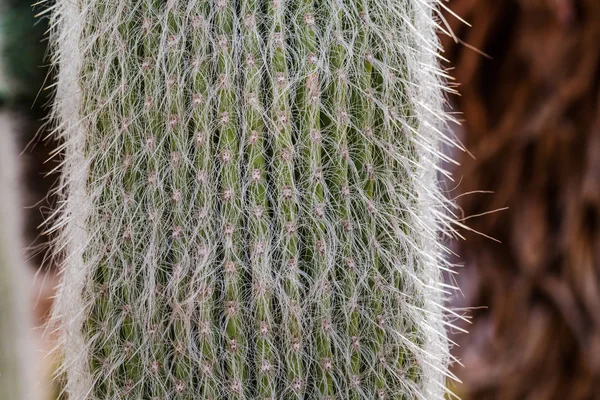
(250, 208)
(16, 351)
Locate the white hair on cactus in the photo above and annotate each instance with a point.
(70, 216)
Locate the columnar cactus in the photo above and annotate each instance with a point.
(16, 347)
(250, 204)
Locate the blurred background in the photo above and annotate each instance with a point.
(531, 122)
(528, 73)
(23, 109)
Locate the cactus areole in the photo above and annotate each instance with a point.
(249, 199)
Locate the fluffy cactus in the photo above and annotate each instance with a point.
(250, 206)
(16, 346)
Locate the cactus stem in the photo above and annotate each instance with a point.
(226, 25)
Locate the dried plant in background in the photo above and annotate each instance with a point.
(532, 122)
(250, 204)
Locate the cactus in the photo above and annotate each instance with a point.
(16, 345)
(250, 206)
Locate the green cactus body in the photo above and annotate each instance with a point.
(250, 203)
(230, 158)
(364, 172)
(346, 289)
(317, 191)
(312, 211)
(156, 154)
(259, 234)
(205, 279)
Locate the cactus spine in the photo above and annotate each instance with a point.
(250, 203)
(16, 344)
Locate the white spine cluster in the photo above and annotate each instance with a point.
(250, 204)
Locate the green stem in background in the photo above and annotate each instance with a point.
(234, 286)
(202, 116)
(22, 50)
(257, 201)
